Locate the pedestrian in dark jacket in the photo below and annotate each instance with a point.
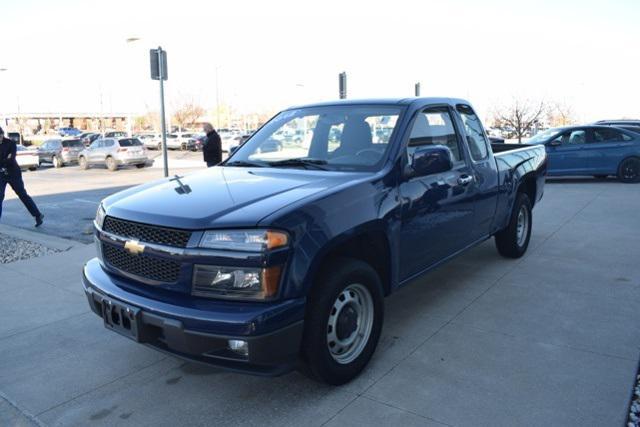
(11, 174)
(212, 148)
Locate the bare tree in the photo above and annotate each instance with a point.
(187, 114)
(521, 115)
(561, 114)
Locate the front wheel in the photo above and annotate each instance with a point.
(111, 164)
(512, 242)
(629, 170)
(82, 162)
(57, 163)
(140, 166)
(343, 321)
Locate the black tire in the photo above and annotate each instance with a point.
(111, 164)
(513, 241)
(321, 363)
(159, 147)
(140, 166)
(82, 162)
(56, 162)
(600, 176)
(629, 170)
(33, 168)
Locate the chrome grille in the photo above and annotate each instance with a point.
(140, 265)
(146, 233)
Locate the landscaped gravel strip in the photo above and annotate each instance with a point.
(634, 412)
(12, 249)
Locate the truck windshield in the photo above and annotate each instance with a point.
(349, 137)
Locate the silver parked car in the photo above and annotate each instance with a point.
(114, 152)
(60, 152)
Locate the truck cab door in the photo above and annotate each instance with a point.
(485, 179)
(437, 209)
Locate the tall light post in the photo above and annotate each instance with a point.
(129, 41)
(217, 99)
(2, 69)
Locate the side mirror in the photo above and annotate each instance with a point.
(233, 149)
(555, 143)
(430, 160)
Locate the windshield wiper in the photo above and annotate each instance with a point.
(244, 163)
(304, 162)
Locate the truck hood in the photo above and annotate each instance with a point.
(221, 196)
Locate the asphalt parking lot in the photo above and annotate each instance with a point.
(69, 196)
(550, 339)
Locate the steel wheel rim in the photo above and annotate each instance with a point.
(522, 226)
(357, 299)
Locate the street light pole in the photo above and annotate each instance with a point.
(163, 124)
(217, 100)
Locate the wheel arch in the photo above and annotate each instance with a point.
(369, 243)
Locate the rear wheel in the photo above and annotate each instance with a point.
(629, 170)
(512, 242)
(82, 162)
(57, 163)
(159, 146)
(343, 321)
(111, 164)
(140, 166)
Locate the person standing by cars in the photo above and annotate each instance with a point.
(212, 148)
(10, 174)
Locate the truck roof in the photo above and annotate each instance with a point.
(385, 101)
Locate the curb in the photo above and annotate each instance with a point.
(52, 242)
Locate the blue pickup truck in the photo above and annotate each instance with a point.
(281, 256)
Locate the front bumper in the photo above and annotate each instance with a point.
(194, 334)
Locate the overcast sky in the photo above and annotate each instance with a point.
(69, 55)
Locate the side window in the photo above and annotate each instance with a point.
(108, 143)
(476, 139)
(335, 135)
(607, 135)
(434, 126)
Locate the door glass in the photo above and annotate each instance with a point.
(575, 137)
(475, 134)
(434, 126)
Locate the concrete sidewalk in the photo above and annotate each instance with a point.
(550, 339)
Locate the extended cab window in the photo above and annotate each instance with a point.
(434, 126)
(476, 139)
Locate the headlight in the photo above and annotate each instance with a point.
(244, 240)
(100, 214)
(236, 282)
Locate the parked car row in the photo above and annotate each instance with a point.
(188, 141)
(110, 152)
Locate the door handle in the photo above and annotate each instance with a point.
(465, 180)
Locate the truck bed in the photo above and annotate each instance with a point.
(501, 148)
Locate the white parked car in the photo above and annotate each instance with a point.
(27, 158)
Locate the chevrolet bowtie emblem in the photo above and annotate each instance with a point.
(133, 247)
